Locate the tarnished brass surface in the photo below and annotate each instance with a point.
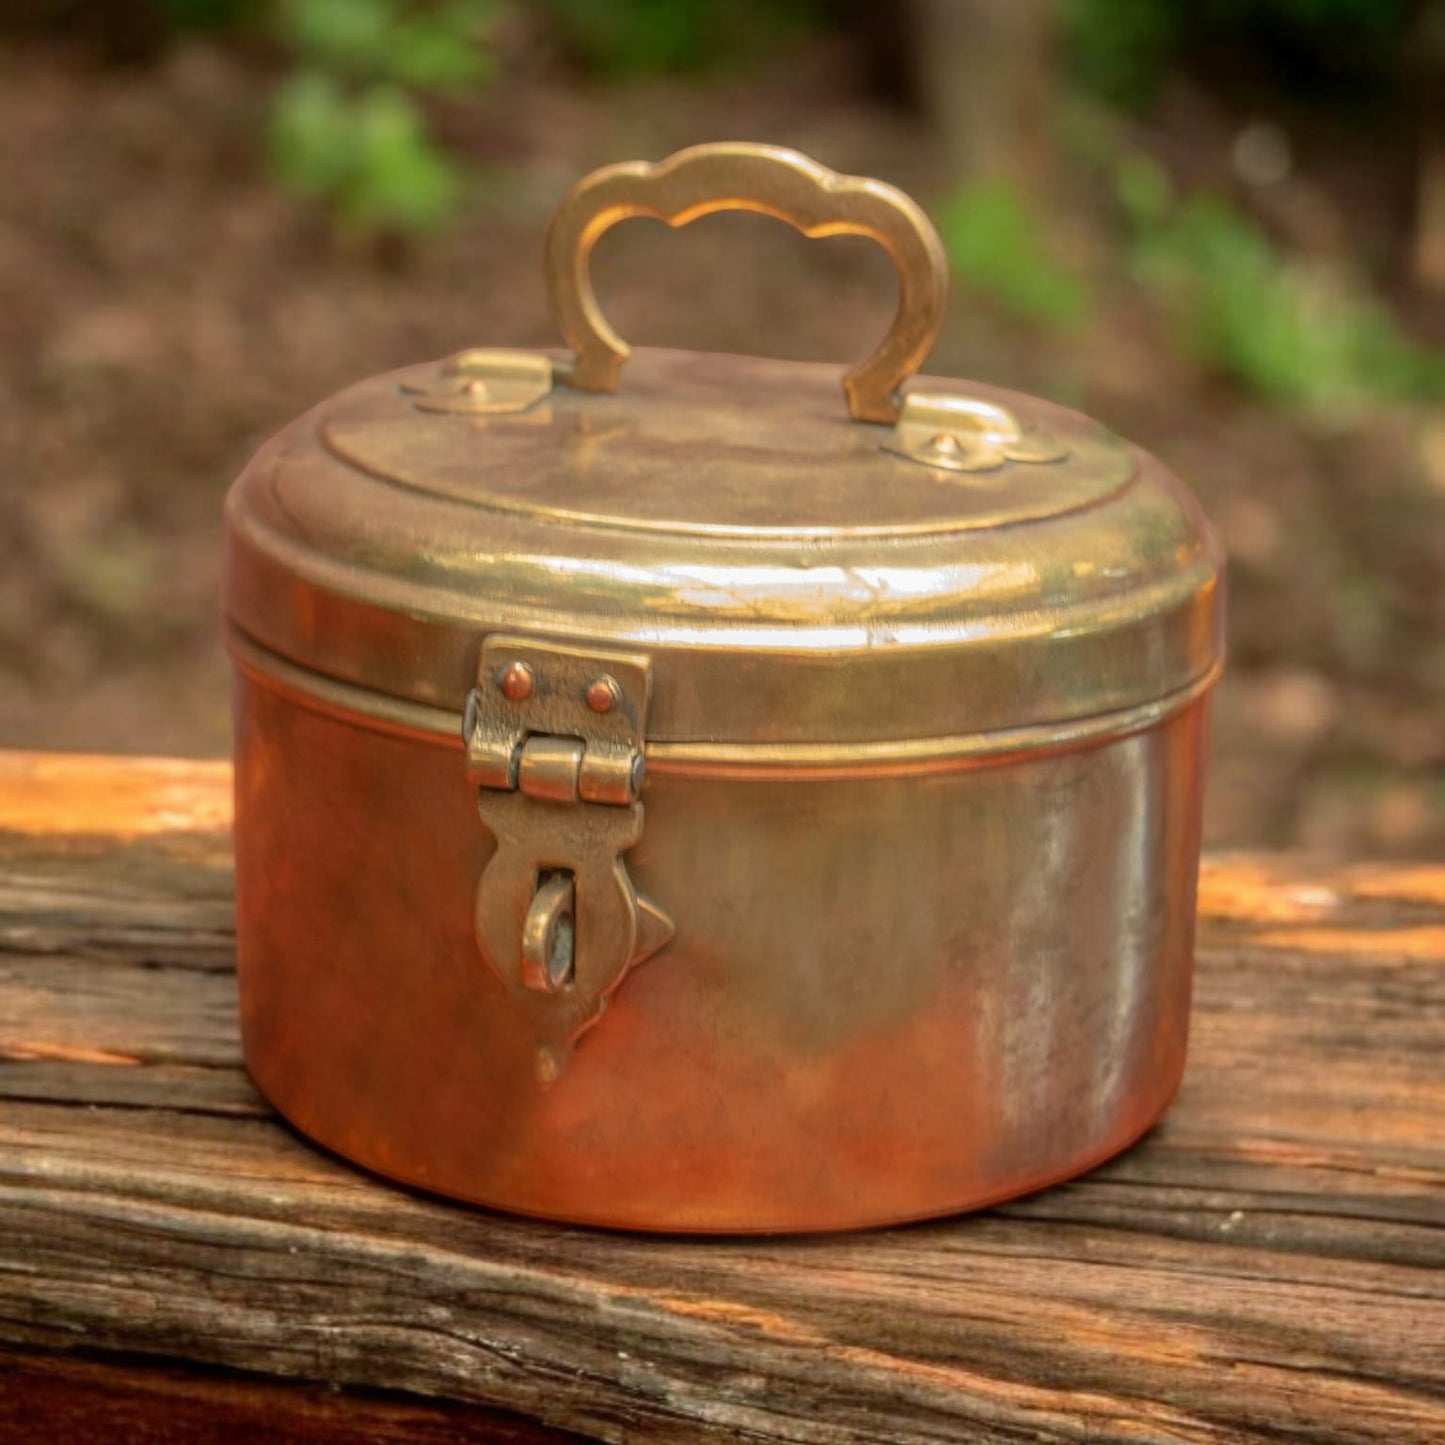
(484, 383)
(718, 449)
(966, 434)
(913, 756)
(554, 741)
(556, 702)
(776, 182)
(791, 581)
(549, 936)
(879, 742)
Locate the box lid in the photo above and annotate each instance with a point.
(950, 561)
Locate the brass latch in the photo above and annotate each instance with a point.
(554, 739)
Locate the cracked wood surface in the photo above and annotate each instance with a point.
(1269, 1264)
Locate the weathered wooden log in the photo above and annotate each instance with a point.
(1268, 1264)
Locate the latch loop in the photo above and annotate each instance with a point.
(549, 936)
(554, 740)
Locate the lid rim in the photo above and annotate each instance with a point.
(437, 726)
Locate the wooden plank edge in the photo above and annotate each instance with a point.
(62, 794)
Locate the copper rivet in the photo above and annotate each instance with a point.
(516, 681)
(944, 441)
(474, 386)
(602, 694)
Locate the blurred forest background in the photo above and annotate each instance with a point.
(1219, 226)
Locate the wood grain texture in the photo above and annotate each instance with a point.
(64, 1400)
(1269, 1264)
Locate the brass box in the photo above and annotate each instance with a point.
(680, 804)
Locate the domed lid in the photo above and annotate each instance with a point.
(802, 576)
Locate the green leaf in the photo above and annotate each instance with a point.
(440, 47)
(347, 129)
(995, 243)
(1295, 333)
(310, 135)
(399, 178)
(339, 35)
(429, 55)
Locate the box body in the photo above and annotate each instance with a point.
(892, 994)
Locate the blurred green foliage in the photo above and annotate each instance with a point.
(1292, 332)
(432, 46)
(347, 126)
(996, 245)
(1124, 48)
(622, 38)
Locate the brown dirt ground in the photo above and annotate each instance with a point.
(163, 308)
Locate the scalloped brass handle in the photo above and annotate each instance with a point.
(775, 182)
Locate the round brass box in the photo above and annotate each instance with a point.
(680, 801)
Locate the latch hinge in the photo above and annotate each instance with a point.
(566, 769)
(551, 731)
(484, 382)
(966, 434)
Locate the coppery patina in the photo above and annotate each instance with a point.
(666, 800)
